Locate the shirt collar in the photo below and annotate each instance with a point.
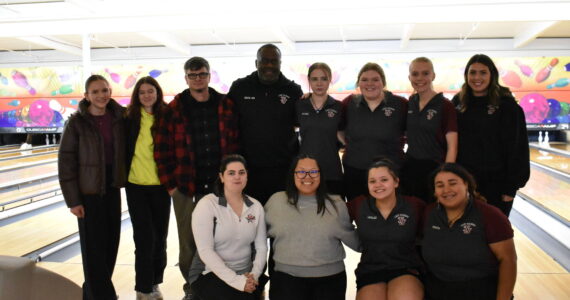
(222, 201)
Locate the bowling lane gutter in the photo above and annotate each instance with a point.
(551, 171)
(551, 150)
(30, 149)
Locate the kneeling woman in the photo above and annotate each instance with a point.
(468, 244)
(225, 225)
(387, 225)
(309, 228)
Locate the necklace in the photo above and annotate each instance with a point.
(451, 221)
(315, 107)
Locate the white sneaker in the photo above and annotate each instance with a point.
(144, 296)
(156, 294)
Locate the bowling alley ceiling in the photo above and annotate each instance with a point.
(70, 26)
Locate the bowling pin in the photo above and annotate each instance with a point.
(540, 137)
(546, 139)
(21, 81)
(545, 72)
(562, 82)
(114, 76)
(56, 106)
(47, 139)
(510, 78)
(131, 80)
(525, 70)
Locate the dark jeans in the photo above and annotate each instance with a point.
(210, 287)
(283, 286)
(355, 182)
(99, 233)
(149, 207)
(183, 208)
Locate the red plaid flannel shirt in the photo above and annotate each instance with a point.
(173, 141)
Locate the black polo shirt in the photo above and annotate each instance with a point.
(387, 244)
(426, 129)
(461, 252)
(374, 133)
(266, 120)
(319, 134)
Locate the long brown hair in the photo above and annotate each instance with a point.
(495, 91)
(158, 108)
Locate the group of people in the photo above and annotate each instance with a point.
(238, 173)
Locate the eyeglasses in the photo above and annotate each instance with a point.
(193, 76)
(302, 173)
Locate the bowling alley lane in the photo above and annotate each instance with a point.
(561, 146)
(549, 191)
(12, 176)
(25, 152)
(37, 231)
(550, 159)
(26, 160)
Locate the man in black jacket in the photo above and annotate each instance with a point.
(265, 102)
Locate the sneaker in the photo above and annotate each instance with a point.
(156, 293)
(144, 296)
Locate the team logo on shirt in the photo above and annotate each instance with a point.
(468, 227)
(372, 217)
(431, 113)
(331, 112)
(248, 97)
(402, 219)
(388, 111)
(491, 109)
(283, 98)
(250, 218)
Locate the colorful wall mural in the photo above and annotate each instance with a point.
(40, 99)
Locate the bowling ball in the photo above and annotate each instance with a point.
(57, 120)
(550, 121)
(564, 119)
(554, 108)
(40, 113)
(535, 107)
(564, 108)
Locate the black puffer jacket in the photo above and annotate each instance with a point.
(81, 161)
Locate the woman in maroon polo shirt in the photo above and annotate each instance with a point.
(431, 131)
(468, 244)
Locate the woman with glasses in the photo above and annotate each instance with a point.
(388, 225)
(308, 227)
